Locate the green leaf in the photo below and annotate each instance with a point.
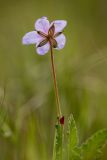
(57, 150)
(72, 139)
(91, 148)
(72, 133)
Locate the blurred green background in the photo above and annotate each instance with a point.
(28, 110)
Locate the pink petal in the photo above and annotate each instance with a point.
(44, 49)
(42, 25)
(31, 38)
(59, 25)
(61, 40)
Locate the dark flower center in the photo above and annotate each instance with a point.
(50, 37)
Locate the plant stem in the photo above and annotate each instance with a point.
(59, 114)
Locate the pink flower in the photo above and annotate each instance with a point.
(46, 34)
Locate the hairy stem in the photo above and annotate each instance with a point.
(59, 114)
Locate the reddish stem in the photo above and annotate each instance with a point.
(55, 83)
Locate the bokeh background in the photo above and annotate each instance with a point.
(27, 101)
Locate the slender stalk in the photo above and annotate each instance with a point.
(59, 114)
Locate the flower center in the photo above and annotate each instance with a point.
(50, 37)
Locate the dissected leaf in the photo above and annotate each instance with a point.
(72, 133)
(74, 155)
(91, 148)
(57, 150)
(72, 139)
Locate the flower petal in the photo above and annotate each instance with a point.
(59, 25)
(42, 25)
(31, 38)
(44, 49)
(61, 40)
